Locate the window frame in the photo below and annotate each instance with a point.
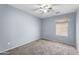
(62, 21)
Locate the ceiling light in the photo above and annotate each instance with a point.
(45, 8)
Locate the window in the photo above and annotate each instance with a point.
(62, 27)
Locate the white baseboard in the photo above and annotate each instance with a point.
(4, 51)
(59, 41)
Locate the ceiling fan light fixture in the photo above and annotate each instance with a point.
(45, 8)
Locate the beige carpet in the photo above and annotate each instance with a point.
(44, 47)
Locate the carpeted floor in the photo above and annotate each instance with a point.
(44, 47)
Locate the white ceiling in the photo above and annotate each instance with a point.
(62, 8)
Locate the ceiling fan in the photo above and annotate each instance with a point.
(45, 8)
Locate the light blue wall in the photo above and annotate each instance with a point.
(2, 10)
(77, 30)
(49, 29)
(18, 28)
